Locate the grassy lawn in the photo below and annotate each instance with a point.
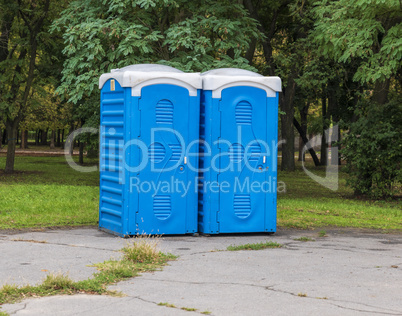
(306, 204)
(46, 192)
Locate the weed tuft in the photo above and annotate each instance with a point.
(304, 238)
(167, 305)
(189, 309)
(256, 246)
(144, 249)
(302, 294)
(322, 233)
(57, 282)
(206, 312)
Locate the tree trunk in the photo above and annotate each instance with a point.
(303, 126)
(52, 139)
(73, 142)
(1, 138)
(230, 52)
(24, 139)
(58, 142)
(11, 127)
(44, 137)
(34, 29)
(324, 142)
(269, 33)
(305, 140)
(37, 132)
(250, 51)
(335, 139)
(5, 137)
(380, 93)
(81, 154)
(333, 111)
(287, 131)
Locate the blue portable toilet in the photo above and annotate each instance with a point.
(238, 152)
(149, 116)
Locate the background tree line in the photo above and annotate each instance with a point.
(339, 61)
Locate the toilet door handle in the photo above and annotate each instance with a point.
(263, 159)
(185, 160)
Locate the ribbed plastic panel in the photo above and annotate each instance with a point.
(164, 112)
(111, 157)
(242, 205)
(244, 113)
(162, 206)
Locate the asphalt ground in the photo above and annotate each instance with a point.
(349, 272)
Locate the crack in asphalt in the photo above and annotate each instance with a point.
(292, 244)
(85, 312)
(157, 304)
(61, 244)
(271, 288)
(20, 309)
(364, 311)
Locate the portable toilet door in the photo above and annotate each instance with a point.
(238, 159)
(149, 116)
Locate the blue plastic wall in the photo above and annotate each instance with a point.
(236, 127)
(147, 180)
(113, 213)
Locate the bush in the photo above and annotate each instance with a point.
(373, 149)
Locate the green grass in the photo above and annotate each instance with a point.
(189, 309)
(322, 233)
(306, 205)
(256, 246)
(46, 192)
(167, 304)
(109, 272)
(304, 238)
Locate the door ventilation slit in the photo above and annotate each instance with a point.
(244, 112)
(176, 152)
(162, 206)
(242, 205)
(164, 112)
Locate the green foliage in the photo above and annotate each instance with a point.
(373, 149)
(189, 35)
(25, 40)
(367, 30)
